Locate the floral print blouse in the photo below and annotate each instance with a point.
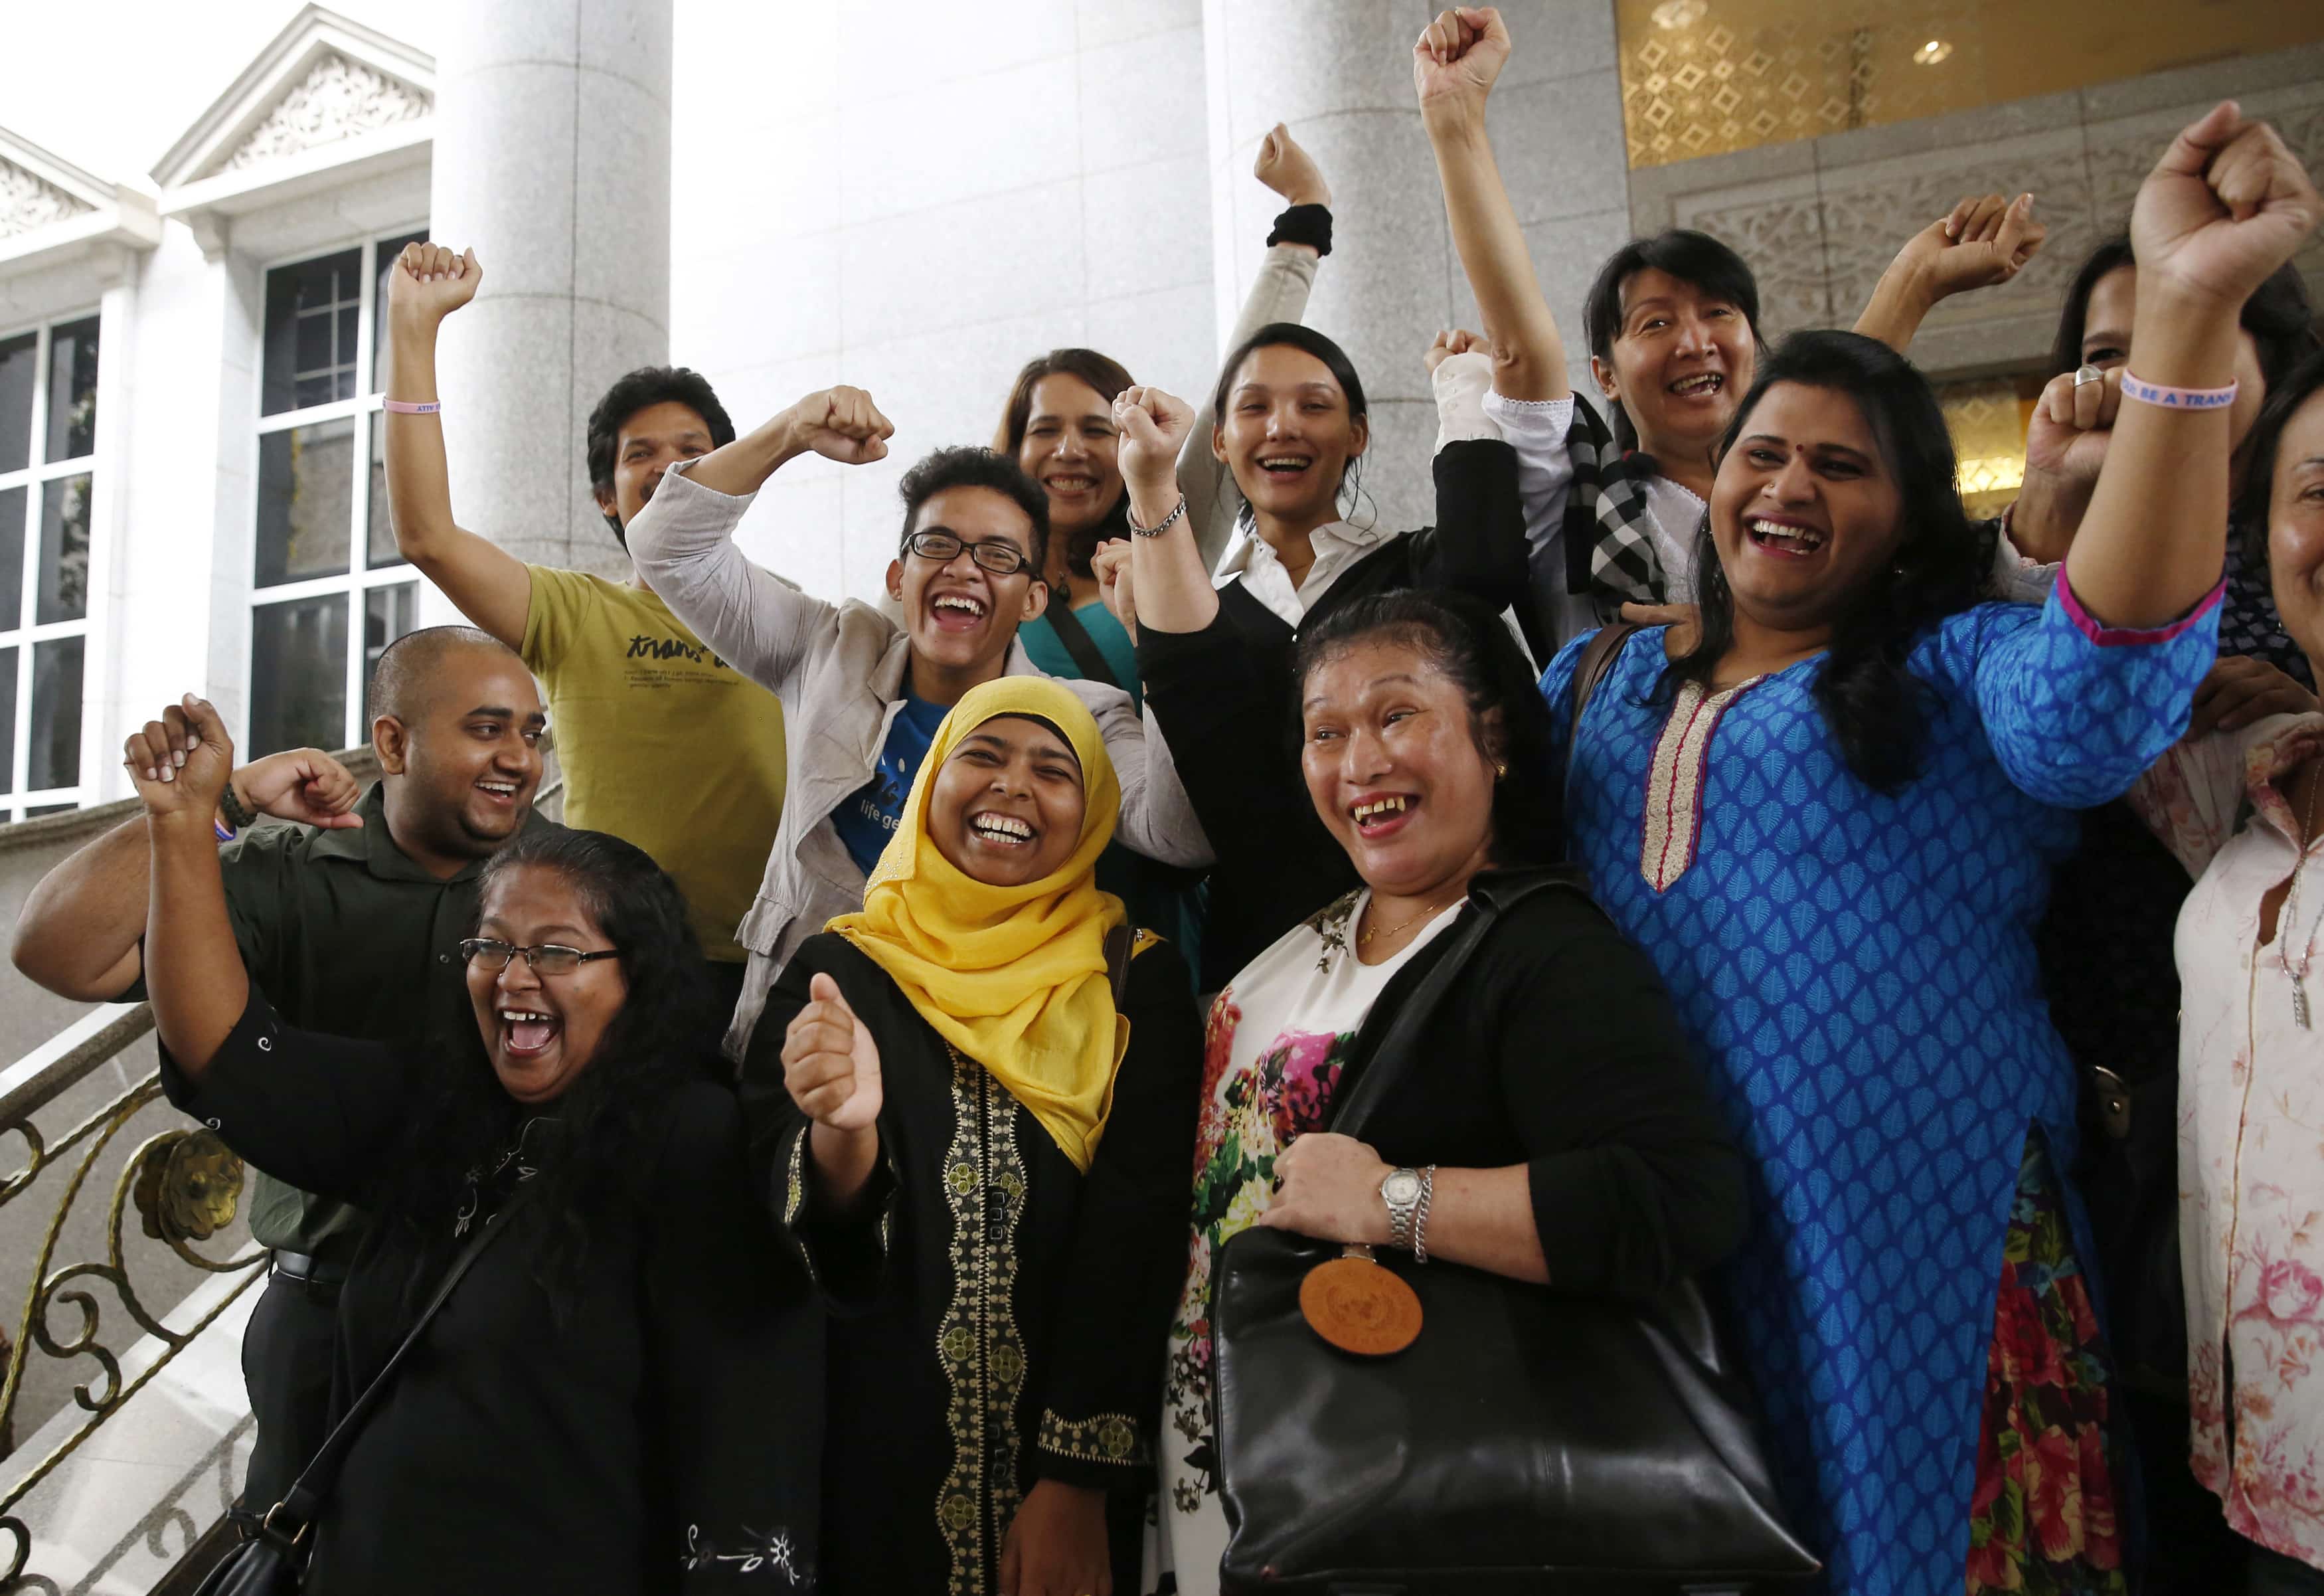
(2251, 1127)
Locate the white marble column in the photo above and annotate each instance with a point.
(1340, 72)
(552, 159)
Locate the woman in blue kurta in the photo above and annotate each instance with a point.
(1828, 813)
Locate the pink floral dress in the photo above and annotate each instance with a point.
(2251, 1127)
(1276, 1037)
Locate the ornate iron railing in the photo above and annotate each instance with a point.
(185, 1186)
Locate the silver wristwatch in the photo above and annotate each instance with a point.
(1401, 1190)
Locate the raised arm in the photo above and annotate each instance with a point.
(1976, 244)
(683, 540)
(1278, 293)
(1172, 583)
(78, 934)
(2226, 206)
(489, 585)
(1453, 66)
(195, 975)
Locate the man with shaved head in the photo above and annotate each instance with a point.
(351, 927)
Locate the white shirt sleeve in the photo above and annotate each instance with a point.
(1462, 382)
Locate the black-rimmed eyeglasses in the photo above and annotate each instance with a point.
(548, 959)
(1002, 559)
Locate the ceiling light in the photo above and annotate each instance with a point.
(1934, 52)
(1680, 14)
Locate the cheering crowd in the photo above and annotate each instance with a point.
(1704, 875)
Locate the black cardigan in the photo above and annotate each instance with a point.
(1224, 699)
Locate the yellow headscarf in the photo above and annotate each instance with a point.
(1015, 977)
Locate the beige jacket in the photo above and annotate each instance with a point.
(839, 670)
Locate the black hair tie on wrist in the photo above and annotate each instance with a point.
(1310, 224)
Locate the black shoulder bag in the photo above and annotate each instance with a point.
(271, 1562)
(1528, 1440)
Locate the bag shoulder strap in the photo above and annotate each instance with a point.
(1400, 1044)
(1597, 659)
(290, 1518)
(1079, 643)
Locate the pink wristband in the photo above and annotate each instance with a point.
(404, 406)
(2177, 399)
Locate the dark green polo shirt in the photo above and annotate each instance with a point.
(344, 933)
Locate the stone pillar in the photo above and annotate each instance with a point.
(552, 159)
(1340, 74)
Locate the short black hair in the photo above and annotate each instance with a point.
(2278, 315)
(400, 680)
(965, 466)
(1685, 253)
(642, 388)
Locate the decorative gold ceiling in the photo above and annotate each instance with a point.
(1705, 77)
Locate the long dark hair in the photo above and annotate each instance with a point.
(1467, 642)
(2278, 316)
(665, 1036)
(1107, 377)
(2298, 385)
(1875, 707)
(1291, 334)
(1685, 253)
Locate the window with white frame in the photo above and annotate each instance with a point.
(48, 467)
(330, 592)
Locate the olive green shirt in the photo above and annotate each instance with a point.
(345, 934)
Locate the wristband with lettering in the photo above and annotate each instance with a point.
(2177, 399)
(404, 406)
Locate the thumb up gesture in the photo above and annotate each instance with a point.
(831, 1065)
(1154, 428)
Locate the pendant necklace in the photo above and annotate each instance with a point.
(2289, 919)
(1436, 909)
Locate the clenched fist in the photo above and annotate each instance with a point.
(1154, 427)
(840, 424)
(427, 283)
(831, 1065)
(1456, 59)
(1288, 169)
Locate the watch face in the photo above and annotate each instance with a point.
(1402, 1186)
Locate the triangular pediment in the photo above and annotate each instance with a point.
(323, 81)
(37, 189)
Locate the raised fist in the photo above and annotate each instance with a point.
(1288, 169)
(1112, 568)
(1979, 243)
(831, 1065)
(1154, 427)
(1457, 58)
(1448, 345)
(2071, 427)
(179, 763)
(427, 283)
(2225, 207)
(842, 424)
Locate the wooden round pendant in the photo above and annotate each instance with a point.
(1359, 1308)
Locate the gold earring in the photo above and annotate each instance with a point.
(1499, 771)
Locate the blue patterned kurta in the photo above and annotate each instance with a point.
(1858, 971)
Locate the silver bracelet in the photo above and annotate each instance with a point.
(1164, 525)
(1420, 1215)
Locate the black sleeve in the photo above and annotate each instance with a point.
(1128, 1257)
(1478, 545)
(730, 1341)
(318, 1111)
(255, 871)
(845, 1255)
(1227, 710)
(1635, 1184)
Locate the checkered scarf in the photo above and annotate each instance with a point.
(1609, 545)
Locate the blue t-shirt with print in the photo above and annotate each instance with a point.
(870, 815)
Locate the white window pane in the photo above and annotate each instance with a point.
(297, 674)
(64, 549)
(56, 714)
(310, 332)
(306, 502)
(17, 378)
(72, 390)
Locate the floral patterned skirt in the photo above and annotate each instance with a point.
(2041, 1518)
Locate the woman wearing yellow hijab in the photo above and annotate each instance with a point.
(974, 1113)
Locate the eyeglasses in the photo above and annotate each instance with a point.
(548, 959)
(1002, 559)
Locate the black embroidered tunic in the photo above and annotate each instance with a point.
(995, 1318)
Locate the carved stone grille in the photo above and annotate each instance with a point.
(337, 99)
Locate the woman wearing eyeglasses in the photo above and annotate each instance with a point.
(594, 1407)
(972, 1104)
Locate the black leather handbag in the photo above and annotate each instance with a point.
(1528, 1440)
(273, 1561)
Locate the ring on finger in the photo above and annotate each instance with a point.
(2086, 373)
